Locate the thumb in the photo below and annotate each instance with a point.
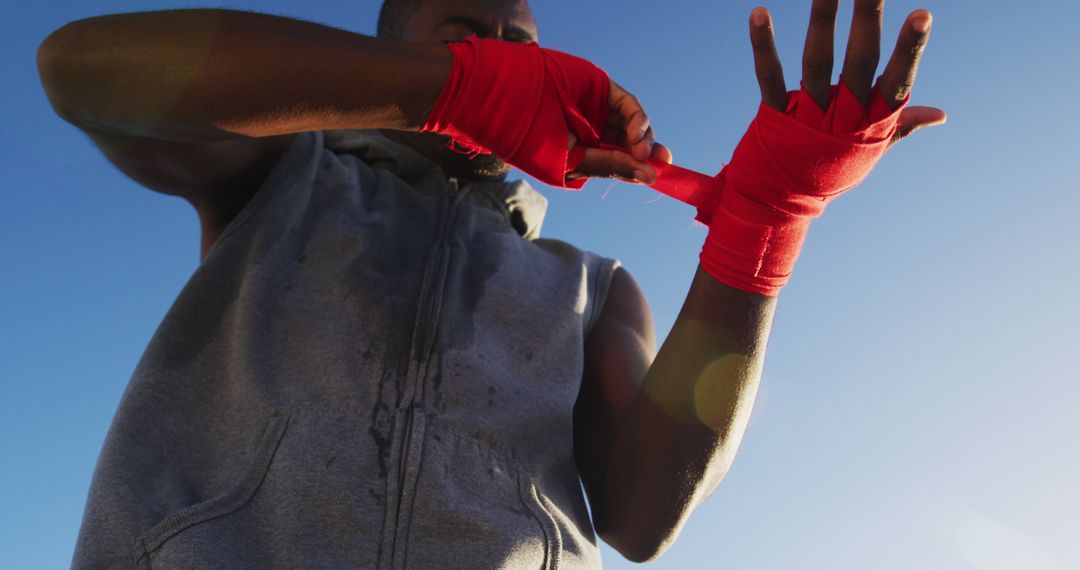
(914, 118)
(613, 163)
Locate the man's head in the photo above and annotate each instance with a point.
(450, 20)
(446, 21)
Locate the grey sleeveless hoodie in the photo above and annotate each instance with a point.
(372, 368)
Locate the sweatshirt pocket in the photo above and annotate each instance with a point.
(474, 508)
(232, 500)
(537, 504)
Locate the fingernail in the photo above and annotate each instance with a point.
(760, 18)
(639, 175)
(922, 24)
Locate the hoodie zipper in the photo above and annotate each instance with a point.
(423, 340)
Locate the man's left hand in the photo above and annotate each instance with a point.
(860, 61)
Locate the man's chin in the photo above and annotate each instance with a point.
(478, 166)
(456, 161)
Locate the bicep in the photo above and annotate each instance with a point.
(618, 353)
(202, 171)
(216, 177)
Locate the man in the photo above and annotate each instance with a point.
(379, 363)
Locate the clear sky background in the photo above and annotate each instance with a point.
(919, 401)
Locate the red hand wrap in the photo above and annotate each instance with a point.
(784, 172)
(520, 102)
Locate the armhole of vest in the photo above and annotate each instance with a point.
(605, 270)
(293, 155)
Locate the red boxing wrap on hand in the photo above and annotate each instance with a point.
(520, 102)
(786, 169)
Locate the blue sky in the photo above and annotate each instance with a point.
(918, 405)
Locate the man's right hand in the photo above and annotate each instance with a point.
(546, 112)
(628, 127)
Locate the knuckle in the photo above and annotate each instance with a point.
(904, 86)
(823, 15)
(767, 75)
(621, 166)
(864, 65)
(872, 14)
(762, 46)
(818, 67)
(903, 89)
(901, 134)
(870, 9)
(915, 49)
(611, 166)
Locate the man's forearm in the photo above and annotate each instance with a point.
(680, 435)
(201, 75)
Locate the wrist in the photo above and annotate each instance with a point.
(436, 68)
(521, 102)
(784, 172)
(751, 246)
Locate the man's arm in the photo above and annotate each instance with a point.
(201, 103)
(208, 75)
(653, 438)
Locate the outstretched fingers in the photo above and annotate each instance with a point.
(864, 48)
(899, 77)
(770, 74)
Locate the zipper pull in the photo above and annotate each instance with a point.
(453, 187)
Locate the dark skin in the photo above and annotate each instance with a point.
(655, 432)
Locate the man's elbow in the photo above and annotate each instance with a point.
(643, 529)
(54, 60)
(641, 541)
(639, 549)
(74, 64)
